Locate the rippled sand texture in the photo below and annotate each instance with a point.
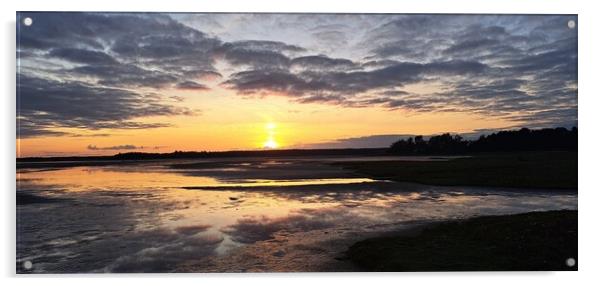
(230, 215)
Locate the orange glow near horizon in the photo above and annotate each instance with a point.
(230, 122)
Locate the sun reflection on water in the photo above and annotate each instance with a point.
(122, 215)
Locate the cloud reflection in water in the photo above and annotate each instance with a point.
(138, 218)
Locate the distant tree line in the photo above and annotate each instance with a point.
(515, 140)
(518, 140)
(250, 153)
(216, 154)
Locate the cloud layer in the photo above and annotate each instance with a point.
(93, 71)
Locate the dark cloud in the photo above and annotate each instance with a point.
(117, 147)
(82, 56)
(28, 128)
(91, 135)
(281, 81)
(257, 54)
(566, 117)
(123, 50)
(414, 37)
(257, 58)
(470, 45)
(44, 104)
(379, 64)
(325, 83)
(255, 45)
(396, 93)
(124, 75)
(322, 62)
(130, 36)
(109, 54)
(204, 74)
(191, 85)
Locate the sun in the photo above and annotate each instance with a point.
(270, 144)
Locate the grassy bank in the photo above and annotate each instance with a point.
(531, 241)
(556, 170)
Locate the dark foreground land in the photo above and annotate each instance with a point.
(544, 169)
(523, 242)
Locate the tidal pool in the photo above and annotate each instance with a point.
(229, 215)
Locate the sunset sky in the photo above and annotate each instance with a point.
(97, 84)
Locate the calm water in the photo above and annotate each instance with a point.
(229, 215)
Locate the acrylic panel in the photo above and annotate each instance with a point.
(278, 142)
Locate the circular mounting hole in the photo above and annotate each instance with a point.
(27, 265)
(27, 21)
(570, 262)
(571, 24)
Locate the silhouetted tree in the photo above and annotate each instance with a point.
(514, 140)
(527, 140)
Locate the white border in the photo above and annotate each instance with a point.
(589, 129)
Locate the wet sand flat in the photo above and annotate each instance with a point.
(235, 215)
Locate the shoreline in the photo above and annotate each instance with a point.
(532, 170)
(353, 251)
